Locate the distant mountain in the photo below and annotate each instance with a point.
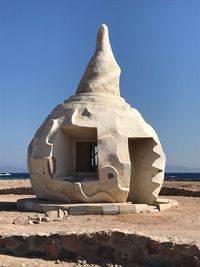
(181, 169)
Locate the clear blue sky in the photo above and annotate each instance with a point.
(45, 46)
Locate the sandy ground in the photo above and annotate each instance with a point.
(11, 261)
(182, 222)
(190, 185)
(4, 184)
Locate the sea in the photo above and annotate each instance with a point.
(177, 176)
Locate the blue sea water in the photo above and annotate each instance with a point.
(182, 176)
(168, 176)
(14, 176)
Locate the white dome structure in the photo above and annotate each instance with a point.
(94, 147)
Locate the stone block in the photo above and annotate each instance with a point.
(77, 210)
(165, 203)
(38, 208)
(127, 209)
(61, 214)
(152, 209)
(53, 214)
(162, 200)
(47, 208)
(165, 206)
(28, 205)
(20, 204)
(139, 208)
(94, 210)
(110, 209)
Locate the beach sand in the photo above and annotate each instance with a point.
(182, 222)
(190, 185)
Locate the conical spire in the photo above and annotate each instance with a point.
(102, 73)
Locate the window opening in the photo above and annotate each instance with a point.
(86, 156)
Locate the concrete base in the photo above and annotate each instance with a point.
(38, 205)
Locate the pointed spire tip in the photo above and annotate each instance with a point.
(104, 26)
(102, 73)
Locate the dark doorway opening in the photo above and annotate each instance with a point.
(86, 156)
